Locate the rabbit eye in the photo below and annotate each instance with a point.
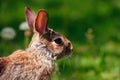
(58, 41)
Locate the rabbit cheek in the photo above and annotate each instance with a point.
(56, 49)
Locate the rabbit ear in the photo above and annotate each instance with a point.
(41, 21)
(30, 17)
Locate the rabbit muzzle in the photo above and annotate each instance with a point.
(67, 51)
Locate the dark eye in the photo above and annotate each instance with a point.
(58, 41)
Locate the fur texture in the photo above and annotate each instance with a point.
(37, 61)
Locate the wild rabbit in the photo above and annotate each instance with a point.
(37, 61)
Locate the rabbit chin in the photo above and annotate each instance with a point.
(60, 52)
(65, 53)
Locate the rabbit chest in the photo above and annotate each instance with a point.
(33, 64)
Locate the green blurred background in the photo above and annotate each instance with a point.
(93, 26)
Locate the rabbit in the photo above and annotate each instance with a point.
(37, 62)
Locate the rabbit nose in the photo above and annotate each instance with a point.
(70, 46)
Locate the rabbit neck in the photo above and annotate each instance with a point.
(40, 53)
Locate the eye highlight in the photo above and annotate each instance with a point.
(58, 41)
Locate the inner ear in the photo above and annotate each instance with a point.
(30, 17)
(41, 21)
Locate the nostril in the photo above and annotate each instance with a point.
(70, 46)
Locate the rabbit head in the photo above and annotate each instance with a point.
(56, 43)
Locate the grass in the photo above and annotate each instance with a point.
(86, 63)
(92, 26)
(89, 65)
(82, 67)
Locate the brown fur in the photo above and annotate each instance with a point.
(37, 61)
(21, 66)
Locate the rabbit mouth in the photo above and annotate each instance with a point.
(65, 53)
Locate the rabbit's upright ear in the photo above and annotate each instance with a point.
(30, 17)
(41, 22)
